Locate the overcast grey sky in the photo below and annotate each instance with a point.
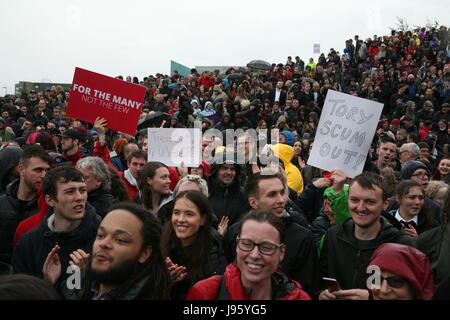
(45, 40)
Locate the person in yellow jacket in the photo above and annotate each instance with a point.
(294, 178)
(311, 64)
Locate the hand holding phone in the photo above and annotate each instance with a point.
(333, 285)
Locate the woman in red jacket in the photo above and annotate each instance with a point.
(254, 275)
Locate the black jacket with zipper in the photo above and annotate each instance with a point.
(345, 258)
(227, 201)
(33, 247)
(12, 212)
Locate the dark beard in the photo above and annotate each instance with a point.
(116, 275)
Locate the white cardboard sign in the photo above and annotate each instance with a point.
(172, 146)
(316, 48)
(346, 128)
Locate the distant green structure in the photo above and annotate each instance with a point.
(182, 69)
(27, 86)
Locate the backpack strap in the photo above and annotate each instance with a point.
(222, 293)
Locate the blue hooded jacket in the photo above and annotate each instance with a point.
(289, 137)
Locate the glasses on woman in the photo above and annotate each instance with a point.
(421, 175)
(394, 281)
(265, 248)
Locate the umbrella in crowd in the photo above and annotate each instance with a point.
(236, 76)
(153, 120)
(260, 65)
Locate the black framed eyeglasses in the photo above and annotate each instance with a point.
(421, 175)
(265, 248)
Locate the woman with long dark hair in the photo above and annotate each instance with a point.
(193, 249)
(442, 171)
(154, 190)
(299, 160)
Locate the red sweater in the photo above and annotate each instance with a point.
(73, 158)
(423, 133)
(132, 190)
(207, 82)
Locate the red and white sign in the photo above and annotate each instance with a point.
(95, 95)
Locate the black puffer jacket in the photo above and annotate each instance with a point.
(297, 214)
(345, 258)
(33, 247)
(300, 261)
(12, 212)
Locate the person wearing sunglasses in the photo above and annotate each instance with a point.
(399, 272)
(254, 275)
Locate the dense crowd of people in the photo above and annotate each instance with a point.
(79, 196)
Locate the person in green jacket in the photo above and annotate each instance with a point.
(335, 208)
(311, 64)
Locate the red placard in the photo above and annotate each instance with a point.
(95, 95)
